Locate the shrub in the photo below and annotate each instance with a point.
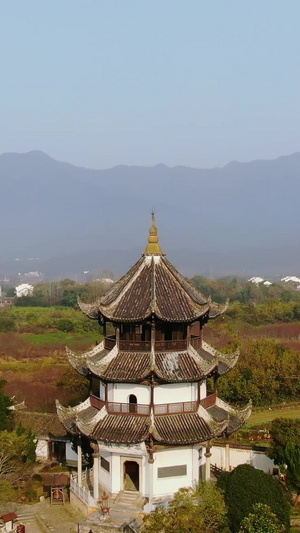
(7, 492)
(65, 324)
(244, 487)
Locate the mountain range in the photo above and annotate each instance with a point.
(240, 219)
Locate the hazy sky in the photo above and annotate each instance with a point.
(191, 82)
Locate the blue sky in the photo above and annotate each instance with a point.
(101, 83)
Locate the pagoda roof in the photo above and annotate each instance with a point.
(152, 286)
(192, 364)
(179, 428)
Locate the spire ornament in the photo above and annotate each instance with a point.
(153, 246)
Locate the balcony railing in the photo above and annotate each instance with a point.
(209, 401)
(134, 346)
(128, 408)
(96, 402)
(109, 342)
(178, 407)
(144, 409)
(196, 342)
(145, 346)
(171, 346)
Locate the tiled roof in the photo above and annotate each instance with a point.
(41, 424)
(122, 429)
(192, 364)
(152, 285)
(177, 428)
(185, 428)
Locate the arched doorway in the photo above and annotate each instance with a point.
(131, 476)
(132, 403)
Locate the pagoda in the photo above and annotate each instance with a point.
(149, 416)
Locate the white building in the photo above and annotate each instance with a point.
(149, 416)
(24, 290)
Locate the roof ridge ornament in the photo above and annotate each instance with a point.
(153, 247)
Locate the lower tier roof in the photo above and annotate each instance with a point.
(192, 364)
(183, 428)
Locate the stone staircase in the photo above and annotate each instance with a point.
(129, 500)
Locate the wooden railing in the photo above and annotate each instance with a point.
(145, 346)
(135, 346)
(171, 346)
(178, 407)
(196, 342)
(209, 401)
(128, 408)
(109, 342)
(96, 402)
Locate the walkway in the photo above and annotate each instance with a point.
(45, 518)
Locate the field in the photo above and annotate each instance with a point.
(33, 361)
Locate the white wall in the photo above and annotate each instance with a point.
(105, 478)
(116, 473)
(173, 457)
(120, 392)
(241, 456)
(102, 391)
(42, 449)
(175, 392)
(203, 392)
(70, 454)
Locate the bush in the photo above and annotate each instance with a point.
(7, 492)
(244, 487)
(65, 324)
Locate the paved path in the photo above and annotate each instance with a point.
(44, 518)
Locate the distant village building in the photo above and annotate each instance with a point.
(150, 417)
(24, 290)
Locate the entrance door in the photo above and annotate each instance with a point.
(131, 476)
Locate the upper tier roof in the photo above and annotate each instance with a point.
(153, 286)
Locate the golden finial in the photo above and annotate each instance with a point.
(153, 246)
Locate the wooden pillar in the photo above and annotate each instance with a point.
(118, 336)
(199, 391)
(227, 457)
(207, 463)
(151, 461)
(79, 463)
(106, 392)
(104, 327)
(96, 476)
(153, 335)
(188, 335)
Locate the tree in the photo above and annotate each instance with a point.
(5, 414)
(17, 448)
(261, 520)
(246, 486)
(285, 450)
(192, 510)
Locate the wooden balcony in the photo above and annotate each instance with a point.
(128, 408)
(196, 342)
(96, 402)
(171, 346)
(145, 346)
(178, 407)
(209, 401)
(134, 346)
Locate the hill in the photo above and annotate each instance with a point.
(242, 218)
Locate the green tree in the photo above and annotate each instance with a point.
(192, 510)
(285, 450)
(5, 413)
(244, 487)
(17, 448)
(261, 520)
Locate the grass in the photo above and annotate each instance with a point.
(261, 417)
(61, 338)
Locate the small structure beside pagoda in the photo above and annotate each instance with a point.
(149, 416)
